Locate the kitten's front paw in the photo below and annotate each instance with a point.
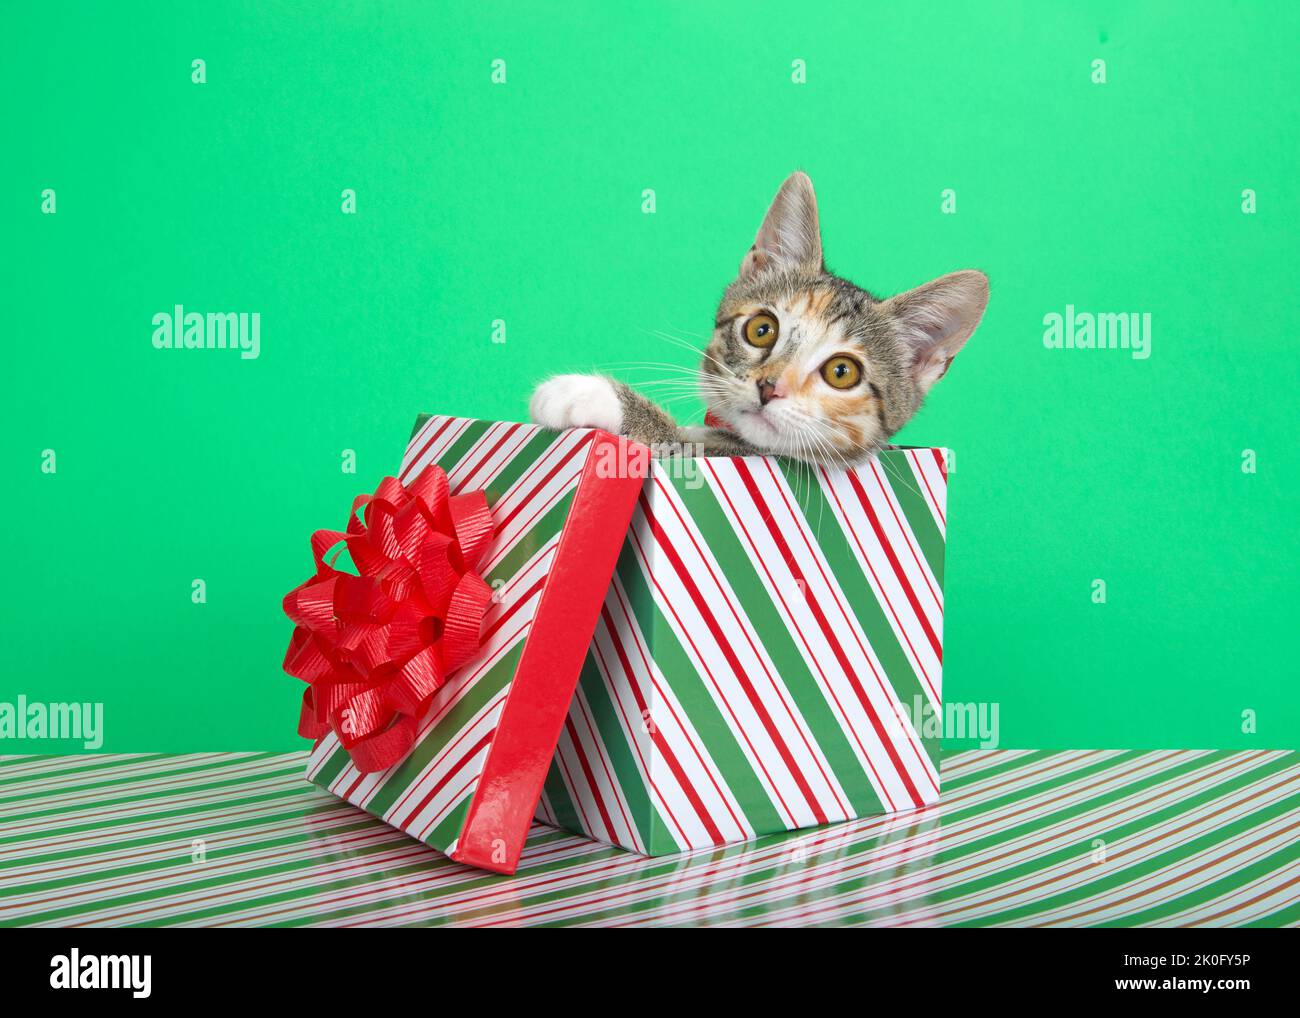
(577, 401)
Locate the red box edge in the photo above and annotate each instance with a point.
(513, 774)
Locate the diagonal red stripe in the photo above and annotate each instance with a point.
(760, 504)
(806, 641)
(906, 531)
(587, 773)
(921, 473)
(507, 433)
(897, 566)
(627, 722)
(447, 422)
(540, 485)
(706, 613)
(665, 751)
(452, 771)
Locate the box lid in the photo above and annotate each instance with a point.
(561, 504)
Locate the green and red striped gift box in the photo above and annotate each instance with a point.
(766, 636)
(764, 625)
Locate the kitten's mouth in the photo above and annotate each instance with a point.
(761, 419)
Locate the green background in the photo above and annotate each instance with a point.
(522, 202)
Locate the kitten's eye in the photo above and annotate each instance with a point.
(842, 372)
(761, 330)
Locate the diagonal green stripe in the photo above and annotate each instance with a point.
(448, 830)
(557, 794)
(834, 544)
(331, 768)
(96, 784)
(525, 548)
(314, 807)
(462, 445)
(785, 863)
(89, 765)
(420, 420)
(1110, 879)
(898, 475)
(758, 602)
(142, 797)
(181, 859)
(953, 782)
(912, 866)
(282, 878)
(1288, 915)
(443, 893)
(609, 728)
(470, 704)
(466, 882)
(1221, 887)
(1106, 880)
(713, 730)
(99, 824)
(550, 524)
(758, 876)
(522, 461)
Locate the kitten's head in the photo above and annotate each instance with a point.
(805, 364)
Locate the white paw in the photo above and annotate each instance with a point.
(576, 401)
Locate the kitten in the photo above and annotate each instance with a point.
(802, 363)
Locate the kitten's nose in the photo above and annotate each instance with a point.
(767, 392)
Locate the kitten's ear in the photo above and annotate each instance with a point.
(936, 320)
(790, 236)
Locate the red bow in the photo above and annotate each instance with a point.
(375, 647)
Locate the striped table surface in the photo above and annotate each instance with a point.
(1019, 838)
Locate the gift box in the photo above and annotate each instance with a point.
(768, 655)
(663, 655)
(480, 743)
